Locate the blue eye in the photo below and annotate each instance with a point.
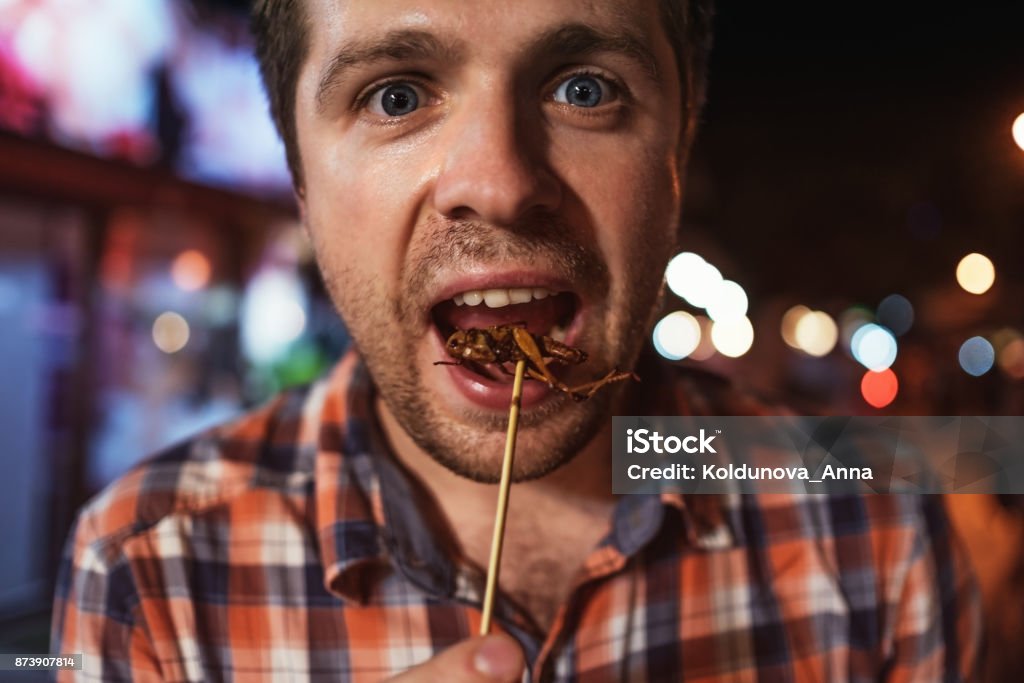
(397, 99)
(581, 91)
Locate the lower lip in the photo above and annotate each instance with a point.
(490, 394)
(494, 395)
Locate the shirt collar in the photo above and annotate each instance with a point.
(348, 514)
(368, 511)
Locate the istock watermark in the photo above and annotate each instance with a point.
(644, 441)
(784, 454)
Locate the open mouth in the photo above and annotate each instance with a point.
(543, 311)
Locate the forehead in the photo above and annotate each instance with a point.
(484, 28)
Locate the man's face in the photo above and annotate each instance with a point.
(526, 154)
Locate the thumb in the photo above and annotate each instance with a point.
(484, 659)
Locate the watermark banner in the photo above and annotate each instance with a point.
(789, 454)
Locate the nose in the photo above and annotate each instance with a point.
(492, 165)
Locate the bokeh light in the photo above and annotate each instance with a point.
(692, 278)
(1011, 358)
(874, 347)
(975, 273)
(896, 313)
(879, 389)
(816, 333)
(170, 332)
(676, 335)
(273, 315)
(1008, 344)
(1018, 131)
(734, 337)
(790, 319)
(727, 301)
(977, 356)
(681, 272)
(190, 270)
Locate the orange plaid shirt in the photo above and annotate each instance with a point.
(286, 547)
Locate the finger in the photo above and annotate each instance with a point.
(486, 659)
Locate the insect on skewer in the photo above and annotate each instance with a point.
(501, 344)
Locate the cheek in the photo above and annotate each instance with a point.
(348, 248)
(360, 210)
(631, 196)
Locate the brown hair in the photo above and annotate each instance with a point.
(281, 29)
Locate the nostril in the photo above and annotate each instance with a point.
(462, 213)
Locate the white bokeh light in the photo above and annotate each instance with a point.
(874, 347)
(273, 315)
(727, 301)
(733, 338)
(676, 335)
(816, 333)
(975, 273)
(170, 332)
(681, 272)
(1018, 131)
(707, 280)
(692, 278)
(790, 319)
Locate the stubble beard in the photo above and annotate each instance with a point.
(390, 336)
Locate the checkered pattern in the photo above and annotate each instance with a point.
(286, 547)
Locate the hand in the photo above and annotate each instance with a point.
(484, 659)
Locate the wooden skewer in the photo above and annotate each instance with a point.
(503, 490)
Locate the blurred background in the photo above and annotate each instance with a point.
(854, 242)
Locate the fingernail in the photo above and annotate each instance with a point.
(499, 658)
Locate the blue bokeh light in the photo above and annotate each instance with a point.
(977, 356)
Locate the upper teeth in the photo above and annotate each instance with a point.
(496, 298)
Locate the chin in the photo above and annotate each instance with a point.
(473, 445)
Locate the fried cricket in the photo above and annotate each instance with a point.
(500, 344)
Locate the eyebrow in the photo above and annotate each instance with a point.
(577, 39)
(568, 40)
(395, 46)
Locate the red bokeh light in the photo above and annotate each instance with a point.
(879, 389)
